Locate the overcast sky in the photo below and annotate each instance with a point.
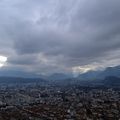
(47, 36)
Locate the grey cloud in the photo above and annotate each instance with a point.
(68, 33)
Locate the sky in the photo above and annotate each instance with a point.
(66, 36)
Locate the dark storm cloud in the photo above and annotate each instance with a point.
(59, 34)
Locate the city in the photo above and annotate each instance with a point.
(35, 102)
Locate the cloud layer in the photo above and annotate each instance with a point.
(47, 36)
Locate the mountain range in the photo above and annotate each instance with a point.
(109, 76)
(109, 71)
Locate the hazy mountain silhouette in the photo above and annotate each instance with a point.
(19, 80)
(59, 76)
(112, 81)
(109, 71)
(20, 73)
(89, 75)
(109, 76)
